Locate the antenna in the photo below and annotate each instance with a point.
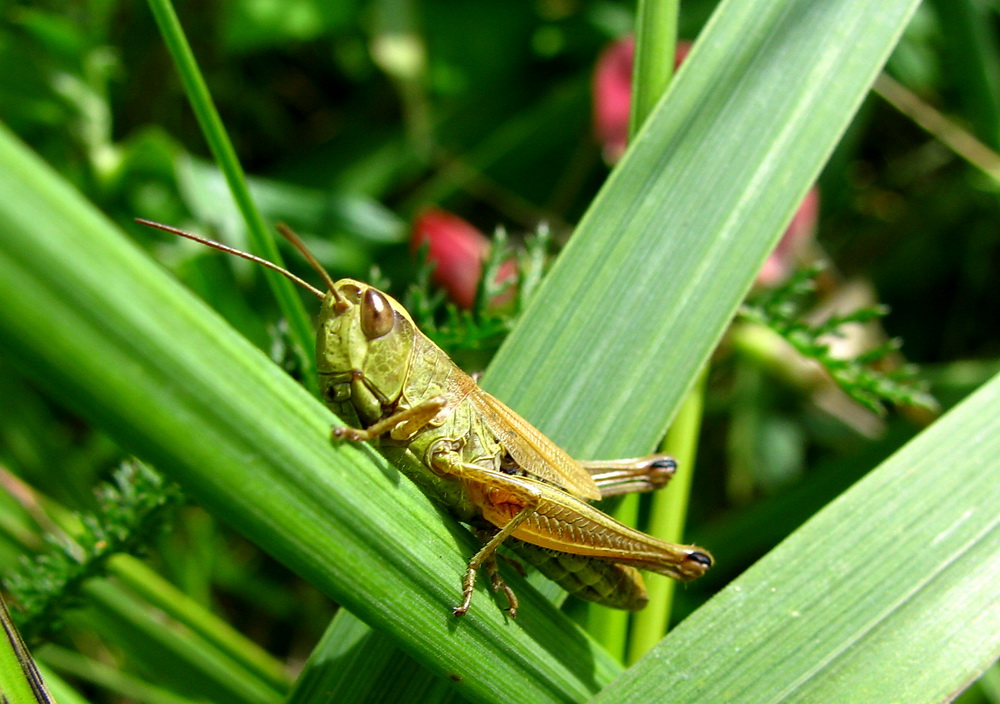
(290, 235)
(254, 258)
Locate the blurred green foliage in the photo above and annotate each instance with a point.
(350, 116)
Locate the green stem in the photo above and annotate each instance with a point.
(399, 49)
(261, 239)
(656, 29)
(655, 42)
(669, 511)
(610, 626)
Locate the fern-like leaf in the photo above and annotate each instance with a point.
(871, 377)
(131, 512)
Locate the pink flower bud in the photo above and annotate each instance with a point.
(612, 86)
(457, 250)
(681, 52)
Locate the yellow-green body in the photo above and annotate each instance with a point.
(476, 457)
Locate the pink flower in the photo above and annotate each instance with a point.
(457, 250)
(612, 88)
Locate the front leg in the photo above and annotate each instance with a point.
(400, 425)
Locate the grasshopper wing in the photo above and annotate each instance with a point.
(534, 453)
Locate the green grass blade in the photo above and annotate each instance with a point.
(103, 328)
(193, 666)
(354, 664)
(59, 688)
(890, 593)
(300, 323)
(346, 665)
(141, 614)
(20, 681)
(109, 678)
(252, 662)
(969, 43)
(656, 268)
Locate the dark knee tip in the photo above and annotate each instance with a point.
(700, 557)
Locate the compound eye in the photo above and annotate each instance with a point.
(376, 314)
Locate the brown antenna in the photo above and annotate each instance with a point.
(290, 235)
(252, 257)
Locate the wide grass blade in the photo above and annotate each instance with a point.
(891, 593)
(658, 265)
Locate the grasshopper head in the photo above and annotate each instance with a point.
(363, 348)
(364, 341)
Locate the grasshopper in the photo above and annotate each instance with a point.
(475, 456)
